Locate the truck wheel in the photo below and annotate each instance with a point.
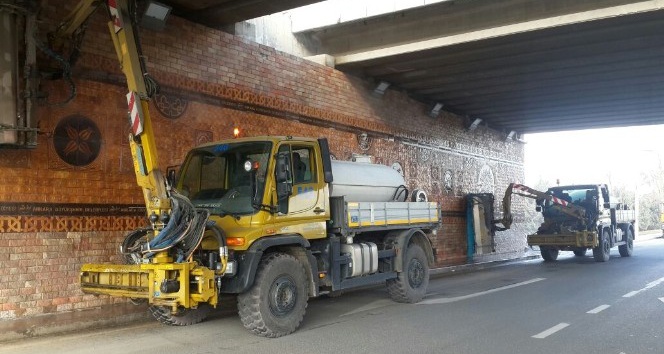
(276, 303)
(549, 254)
(184, 317)
(626, 249)
(580, 252)
(411, 284)
(602, 252)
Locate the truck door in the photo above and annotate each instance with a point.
(305, 210)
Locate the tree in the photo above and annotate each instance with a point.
(649, 212)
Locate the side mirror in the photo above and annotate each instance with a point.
(282, 177)
(538, 209)
(251, 167)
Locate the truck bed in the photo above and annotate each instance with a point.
(361, 216)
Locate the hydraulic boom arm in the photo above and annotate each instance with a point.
(174, 219)
(525, 191)
(143, 148)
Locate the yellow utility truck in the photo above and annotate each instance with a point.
(284, 223)
(271, 219)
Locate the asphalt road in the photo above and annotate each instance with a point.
(571, 306)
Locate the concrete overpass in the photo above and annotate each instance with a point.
(518, 65)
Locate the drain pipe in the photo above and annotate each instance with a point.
(17, 119)
(9, 77)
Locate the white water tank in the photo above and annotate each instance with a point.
(366, 182)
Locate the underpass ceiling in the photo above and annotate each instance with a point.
(601, 73)
(598, 74)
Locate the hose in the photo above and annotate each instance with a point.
(184, 230)
(401, 190)
(218, 234)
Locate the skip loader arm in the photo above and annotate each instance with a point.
(142, 141)
(163, 271)
(525, 191)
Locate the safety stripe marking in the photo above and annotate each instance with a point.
(469, 296)
(551, 330)
(650, 285)
(598, 309)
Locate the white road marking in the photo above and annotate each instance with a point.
(650, 285)
(599, 309)
(661, 299)
(551, 330)
(470, 296)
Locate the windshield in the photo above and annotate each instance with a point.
(214, 177)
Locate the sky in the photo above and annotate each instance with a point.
(614, 155)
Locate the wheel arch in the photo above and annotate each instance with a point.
(400, 240)
(627, 226)
(294, 245)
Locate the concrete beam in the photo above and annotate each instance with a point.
(334, 12)
(501, 31)
(322, 59)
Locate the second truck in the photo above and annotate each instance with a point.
(576, 218)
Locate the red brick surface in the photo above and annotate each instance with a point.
(225, 82)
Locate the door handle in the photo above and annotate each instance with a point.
(319, 210)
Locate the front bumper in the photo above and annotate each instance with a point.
(162, 284)
(587, 239)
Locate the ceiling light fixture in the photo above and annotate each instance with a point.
(155, 16)
(435, 111)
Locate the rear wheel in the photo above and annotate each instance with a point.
(626, 249)
(411, 284)
(602, 252)
(276, 303)
(184, 317)
(549, 254)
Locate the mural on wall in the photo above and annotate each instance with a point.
(170, 106)
(364, 141)
(202, 137)
(424, 154)
(485, 180)
(14, 158)
(399, 168)
(447, 181)
(76, 141)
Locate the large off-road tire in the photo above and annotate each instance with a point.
(410, 286)
(276, 303)
(184, 317)
(549, 254)
(626, 249)
(602, 252)
(580, 252)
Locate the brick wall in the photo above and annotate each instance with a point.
(211, 82)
